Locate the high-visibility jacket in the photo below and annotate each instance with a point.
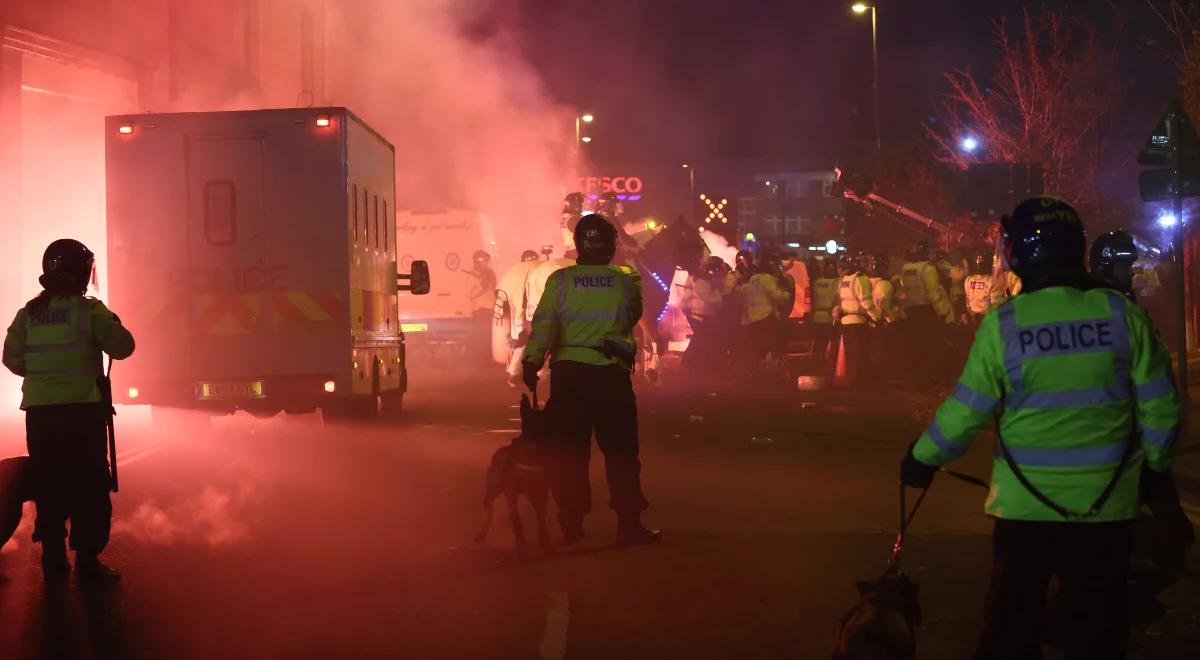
(763, 297)
(856, 300)
(883, 292)
(980, 293)
(58, 349)
(535, 283)
(705, 298)
(923, 286)
(800, 284)
(1075, 377)
(510, 296)
(955, 276)
(587, 314)
(824, 298)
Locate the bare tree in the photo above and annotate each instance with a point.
(1050, 101)
(1181, 45)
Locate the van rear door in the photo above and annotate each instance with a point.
(226, 252)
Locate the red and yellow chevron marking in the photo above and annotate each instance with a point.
(313, 306)
(226, 314)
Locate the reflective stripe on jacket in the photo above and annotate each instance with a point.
(824, 298)
(1074, 376)
(58, 350)
(856, 300)
(587, 314)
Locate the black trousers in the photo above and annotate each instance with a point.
(587, 398)
(823, 335)
(1091, 561)
(925, 354)
(68, 451)
(855, 338)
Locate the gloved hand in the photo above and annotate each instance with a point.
(529, 375)
(914, 473)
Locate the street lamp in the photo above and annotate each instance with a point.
(969, 144)
(691, 192)
(585, 118)
(861, 8)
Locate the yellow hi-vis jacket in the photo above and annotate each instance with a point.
(510, 296)
(980, 293)
(763, 297)
(58, 350)
(824, 299)
(587, 314)
(1077, 379)
(883, 292)
(923, 286)
(856, 300)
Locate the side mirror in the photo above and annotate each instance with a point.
(416, 281)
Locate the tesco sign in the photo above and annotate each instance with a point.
(623, 185)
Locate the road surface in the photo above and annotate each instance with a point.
(286, 538)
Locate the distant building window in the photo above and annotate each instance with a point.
(792, 189)
(375, 206)
(386, 221)
(791, 226)
(826, 188)
(220, 212)
(746, 206)
(773, 225)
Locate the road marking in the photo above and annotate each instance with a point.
(503, 431)
(136, 455)
(554, 636)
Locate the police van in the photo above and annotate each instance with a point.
(253, 254)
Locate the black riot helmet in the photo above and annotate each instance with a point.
(573, 204)
(481, 257)
(981, 264)
(1111, 260)
(919, 251)
(595, 239)
(875, 265)
(828, 268)
(1044, 242)
(529, 255)
(848, 264)
(66, 267)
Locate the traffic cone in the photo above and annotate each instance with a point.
(840, 377)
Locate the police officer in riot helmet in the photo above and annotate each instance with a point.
(743, 265)
(57, 343)
(609, 206)
(919, 251)
(572, 210)
(1111, 261)
(981, 264)
(483, 286)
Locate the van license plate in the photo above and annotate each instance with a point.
(252, 390)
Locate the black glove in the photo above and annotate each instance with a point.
(914, 473)
(529, 375)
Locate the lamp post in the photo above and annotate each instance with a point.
(581, 139)
(691, 192)
(862, 8)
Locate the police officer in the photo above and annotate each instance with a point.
(926, 310)
(1074, 374)
(882, 346)
(585, 322)
(856, 310)
(56, 343)
(979, 289)
(824, 299)
(1111, 261)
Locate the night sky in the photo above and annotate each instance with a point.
(772, 83)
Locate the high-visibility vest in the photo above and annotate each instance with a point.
(587, 314)
(978, 289)
(58, 349)
(923, 286)
(510, 296)
(763, 297)
(535, 283)
(1075, 377)
(856, 300)
(824, 297)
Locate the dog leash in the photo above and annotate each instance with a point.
(906, 516)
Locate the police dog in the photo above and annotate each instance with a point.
(881, 626)
(16, 488)
(519, 468)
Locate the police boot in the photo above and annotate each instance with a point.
(89, 570)
(54, 559)
(631, 531)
